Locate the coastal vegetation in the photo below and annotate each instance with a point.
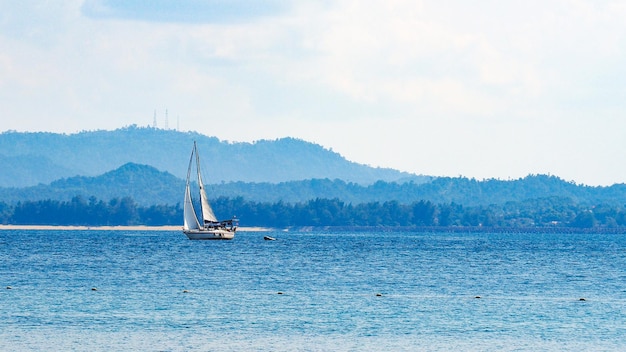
(546, 213)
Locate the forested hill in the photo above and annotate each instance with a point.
(459, 190)
(45, 157)
(144, 184)
(149, 186)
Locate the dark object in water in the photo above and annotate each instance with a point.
(268, 238)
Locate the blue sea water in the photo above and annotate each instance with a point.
(311, 291)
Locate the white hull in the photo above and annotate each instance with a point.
(209, 234)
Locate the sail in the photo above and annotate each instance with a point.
(207, 211)
(190, 219)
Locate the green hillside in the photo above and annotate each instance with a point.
(144, 184)
(148, 186)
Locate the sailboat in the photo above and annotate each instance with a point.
(205, 227)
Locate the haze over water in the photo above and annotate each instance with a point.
(142, 290)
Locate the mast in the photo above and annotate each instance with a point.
(189, 213)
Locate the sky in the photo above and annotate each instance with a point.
(482, 89)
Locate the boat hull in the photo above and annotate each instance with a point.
(209, 234)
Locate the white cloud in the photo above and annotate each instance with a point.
(484, 89)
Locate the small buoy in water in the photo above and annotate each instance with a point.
(185, 291)
(94, 289)
(379, 295)
(279, 293)
(477, 297)
(582, 299)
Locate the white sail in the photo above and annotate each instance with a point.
(207, 211)
(190, 219)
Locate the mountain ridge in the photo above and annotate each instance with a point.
(91, 153)
(150, 186)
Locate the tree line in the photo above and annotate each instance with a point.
(550, 212)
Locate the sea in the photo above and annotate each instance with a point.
(98, 290)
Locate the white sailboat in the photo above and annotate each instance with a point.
(207, 227)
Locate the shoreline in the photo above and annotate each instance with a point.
(115, 228)
(428, 229)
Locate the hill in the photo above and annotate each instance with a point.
(444, 190)
(145, 184)
(45, 157)
(149, 186)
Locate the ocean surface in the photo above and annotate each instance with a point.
(311, 291)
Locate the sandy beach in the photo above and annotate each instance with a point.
(115, 228)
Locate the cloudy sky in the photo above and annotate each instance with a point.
(484, 89)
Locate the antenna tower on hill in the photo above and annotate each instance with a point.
(166, 127)
(154, 123)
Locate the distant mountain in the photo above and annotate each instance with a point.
(149, 165)
(145, 184)
(28, 170)
(45, 157)
(149, 186)
(442, 190)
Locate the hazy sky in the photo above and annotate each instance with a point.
(484, 89)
